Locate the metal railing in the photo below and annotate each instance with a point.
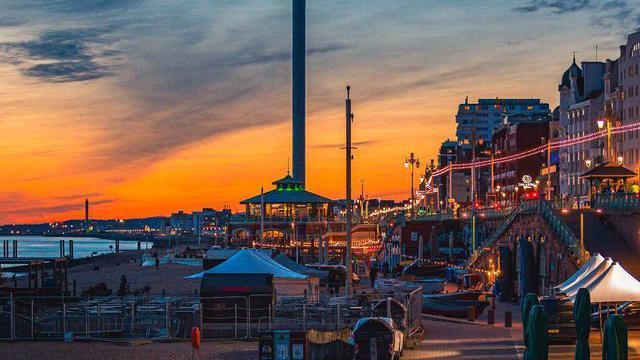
(229, 317)
(616, 201)
(550, 216)
(495, 235)
(560, 228)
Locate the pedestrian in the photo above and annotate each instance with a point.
(373, 274)
(157, 263)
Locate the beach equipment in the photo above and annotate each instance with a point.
(530, 300)
(582, 319)
(537, 339)
(615, 342)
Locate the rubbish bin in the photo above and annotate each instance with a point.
(265, 348)
(298, 341)
(373, 339)
(281, 344)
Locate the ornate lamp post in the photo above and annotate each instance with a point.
(412, 161)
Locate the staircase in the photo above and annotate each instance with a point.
(542, 208)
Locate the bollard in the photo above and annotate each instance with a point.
(491, 316)
(167, 318)
(471, 313)
(507, 319)
(235, 321)
(13, 316)
(32, 320)
(86, 322)
(304, 317)
(493, 302)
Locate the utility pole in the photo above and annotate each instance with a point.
(473, 192)
(262, 215)
(549, 164)
(349, 157)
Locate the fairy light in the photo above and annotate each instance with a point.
(555, 145)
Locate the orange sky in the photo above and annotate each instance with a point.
(175, 107)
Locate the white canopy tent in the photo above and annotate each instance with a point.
(615, 285)
(251, 261)
(584, 270)
(587, 279)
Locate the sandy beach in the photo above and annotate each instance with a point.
(168, 277)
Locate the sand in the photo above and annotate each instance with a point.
(169, 277)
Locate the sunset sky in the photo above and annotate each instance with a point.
(152, 106)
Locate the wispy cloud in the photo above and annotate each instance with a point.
(355, 143)
(61, 55)
(621, 16)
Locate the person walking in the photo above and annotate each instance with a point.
(373, 274)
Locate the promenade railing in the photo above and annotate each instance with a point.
(157, 317)
(616, 201)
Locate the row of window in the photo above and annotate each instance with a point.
(506, 107)
(630, 71)
(632, 113)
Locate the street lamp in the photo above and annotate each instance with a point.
(414, 161)
(601, 123)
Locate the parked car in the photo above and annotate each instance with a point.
(376, 338)
(630, 311)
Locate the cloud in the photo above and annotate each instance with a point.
(340, 145)
(53, 209)
(78, 196)
(556, 6)
(61, 55)
(618, 15)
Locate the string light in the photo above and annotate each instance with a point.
(555, 145)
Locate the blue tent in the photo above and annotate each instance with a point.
(251, 261)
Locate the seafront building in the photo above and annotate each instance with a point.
(478, 121)
(628, 67)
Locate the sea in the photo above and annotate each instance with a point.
(47, 246)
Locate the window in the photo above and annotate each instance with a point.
(635, 50)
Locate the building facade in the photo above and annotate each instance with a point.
(581, 92)
(478, 121)
(628, 65)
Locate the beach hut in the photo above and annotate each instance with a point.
(584, 270)
(250, 261)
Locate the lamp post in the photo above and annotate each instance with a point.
(349, 158)
(601, 123)
(414, 162)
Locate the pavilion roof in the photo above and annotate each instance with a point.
(608, 170)
(288, 196)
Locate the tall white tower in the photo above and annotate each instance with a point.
(298, 88)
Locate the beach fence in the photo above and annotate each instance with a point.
(229, 317)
